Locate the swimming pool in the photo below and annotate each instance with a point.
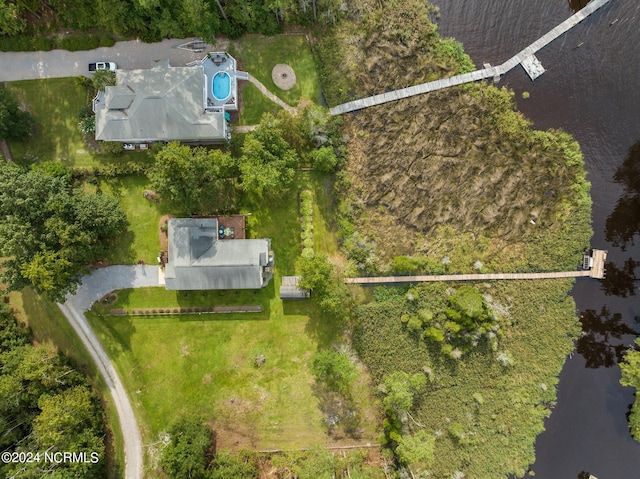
(221, 85)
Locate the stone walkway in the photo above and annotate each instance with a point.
(271, 96)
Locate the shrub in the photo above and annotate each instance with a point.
(306, 221)
(324, 159)
(25, 43)
(75, 43)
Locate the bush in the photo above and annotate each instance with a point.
(306, 220)
(25, 43)
(324, 159)
(75, 43)
(335, 370)
(111, 147)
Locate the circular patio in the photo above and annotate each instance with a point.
(283, 76)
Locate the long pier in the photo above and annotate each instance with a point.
(595, 263)
(525, 57)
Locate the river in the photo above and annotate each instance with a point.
(592, 90)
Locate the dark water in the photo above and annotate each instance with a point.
(592, 90)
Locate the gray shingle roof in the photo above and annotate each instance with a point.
(199, 260)
(158, 104)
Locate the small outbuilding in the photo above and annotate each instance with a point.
(291, 290)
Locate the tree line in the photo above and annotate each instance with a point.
(45, 405)
(152, 20)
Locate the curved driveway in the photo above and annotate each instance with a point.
(127, 55)
(92, 288)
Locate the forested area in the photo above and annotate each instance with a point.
(156, 19)
(51, 231)
(45, 405)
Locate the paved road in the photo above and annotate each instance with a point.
(128, 55)
(93, 287)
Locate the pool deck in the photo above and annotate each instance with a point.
(214, 63)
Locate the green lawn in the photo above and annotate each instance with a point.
(258, 55)
(255, 105)
(55, 104)
(141, 240)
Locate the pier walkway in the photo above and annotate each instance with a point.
(596, 264)
(525, 57)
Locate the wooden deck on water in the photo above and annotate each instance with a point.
(487, 72)
(596, 271)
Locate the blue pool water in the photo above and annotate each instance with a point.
(221, 85)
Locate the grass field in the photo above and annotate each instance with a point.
(55, 104)
(259, 54)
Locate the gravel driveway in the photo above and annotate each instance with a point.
(93, 287)
(128, 55)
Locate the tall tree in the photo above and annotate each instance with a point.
(630, 368)
(268, 161)
(49, 233)
(187, 455)
(195, 179)
(15, 124)
(10, 21)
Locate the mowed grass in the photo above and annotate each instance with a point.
(141, 241)
(255, 105)
(258, 55)
(205, 364)
(55, 104)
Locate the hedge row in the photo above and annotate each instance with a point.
(75, 42)
(306, 221)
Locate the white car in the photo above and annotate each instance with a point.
(103, 66)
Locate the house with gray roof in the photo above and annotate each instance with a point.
(164, 103)
(201, 258)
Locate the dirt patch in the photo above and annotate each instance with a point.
(283, 76)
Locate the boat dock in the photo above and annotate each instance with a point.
(596, 270)
(525, 57)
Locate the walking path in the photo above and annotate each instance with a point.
(271, 96)
(526, 56)
(466, 277)
(94, 287)
(595, 262)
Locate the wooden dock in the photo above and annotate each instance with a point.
(495, 72)
(597, 271)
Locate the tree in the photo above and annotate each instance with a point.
(327, 288)
(70, 421)
(195, 179)
(335, 370)
(49, 233)
(401, 389)
(268, 161)
(324, 159)
(630, 368)
(417, 451)
(187, 455)
(10, 21)
(15, 124)
(226, 466)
